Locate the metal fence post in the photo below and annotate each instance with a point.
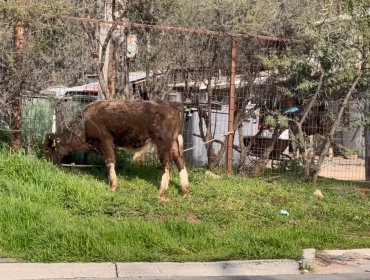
(230, 140)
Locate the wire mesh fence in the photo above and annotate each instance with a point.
(279, 124)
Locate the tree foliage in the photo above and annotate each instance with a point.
(312, 76)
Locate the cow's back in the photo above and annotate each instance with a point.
(132, 123)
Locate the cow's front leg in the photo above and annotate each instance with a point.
(164, 183)
(165, 162)
(113, 181)
(108, 150)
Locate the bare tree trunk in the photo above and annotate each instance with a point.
(99, 60)
(16, 97)
(313, 100)
(16, 120)
(122, 67)
(261, 162)
(210, 151)
(119, 41)
(329, 137)
(245, 150)
(99, 52)
(111, 76)
(148, 49)
(147, 58)
(307, 159)
(126, 59)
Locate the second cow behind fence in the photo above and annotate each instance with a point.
(103, 126)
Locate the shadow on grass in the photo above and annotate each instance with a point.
(362, 187)
(127, 170)
(296, 175)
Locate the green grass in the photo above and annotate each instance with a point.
(51, 214)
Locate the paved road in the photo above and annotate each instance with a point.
(353, 276)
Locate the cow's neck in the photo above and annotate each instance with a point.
(71, 142)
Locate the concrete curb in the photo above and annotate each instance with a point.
(23, 271)
(343, 261)
(201, 269)
(308, 259)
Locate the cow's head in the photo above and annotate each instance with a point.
(51, 148)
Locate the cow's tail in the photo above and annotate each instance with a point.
(180, 138)
(184, 177)
(180, 141)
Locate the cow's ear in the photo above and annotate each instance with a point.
(50, 143)
(46, 139)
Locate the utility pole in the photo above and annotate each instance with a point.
(16, 95)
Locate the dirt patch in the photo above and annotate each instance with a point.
(343, 169)
(192, 218)
(352, 261)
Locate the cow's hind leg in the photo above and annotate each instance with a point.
(165, 163)
(177, 152)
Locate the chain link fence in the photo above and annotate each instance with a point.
(277, 124)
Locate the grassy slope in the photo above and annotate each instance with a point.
(51, 214)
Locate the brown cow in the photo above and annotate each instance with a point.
(105, 125)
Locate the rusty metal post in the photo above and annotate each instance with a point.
(16, 95)
(230, 140)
